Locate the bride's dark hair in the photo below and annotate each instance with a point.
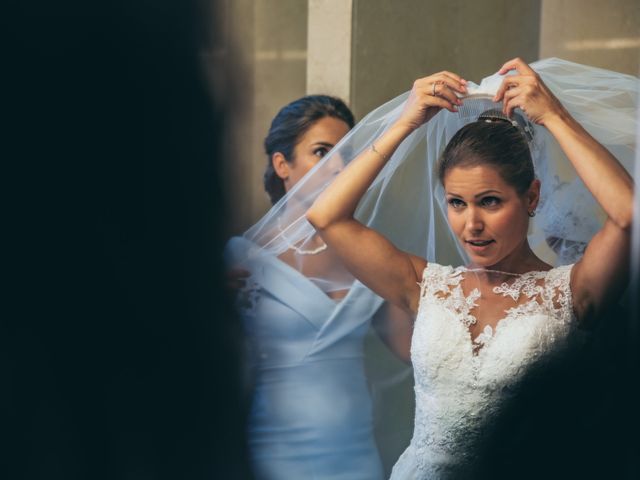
(497, 143)
(288, 127)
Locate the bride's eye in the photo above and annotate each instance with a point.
(455, 202)
(490, 201)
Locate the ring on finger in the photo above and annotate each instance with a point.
(435, 84)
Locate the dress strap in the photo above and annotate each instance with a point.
(438, 278)
(430, 276)
(557, 295)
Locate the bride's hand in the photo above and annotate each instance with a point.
(526, 91)
(429, 95)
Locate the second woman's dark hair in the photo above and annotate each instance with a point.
(495, 143)
(289, 125)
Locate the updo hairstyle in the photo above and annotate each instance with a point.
(497, 143)
(288, 127)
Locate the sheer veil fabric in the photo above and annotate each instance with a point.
(406, 201)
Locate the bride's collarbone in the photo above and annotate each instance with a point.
(490, 308)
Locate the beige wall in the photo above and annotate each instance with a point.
(594, 32)
(271, 39)
(393, 46)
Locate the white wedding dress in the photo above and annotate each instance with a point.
(460, 382)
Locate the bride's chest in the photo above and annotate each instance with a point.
(443, 349)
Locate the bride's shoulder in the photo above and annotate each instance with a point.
(434, 272)
(419, 265)
(559, 274)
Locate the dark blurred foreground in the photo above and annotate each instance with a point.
(120, 355)
(576, 416)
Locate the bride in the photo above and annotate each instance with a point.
(479, 328)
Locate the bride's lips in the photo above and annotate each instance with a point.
(478, 245)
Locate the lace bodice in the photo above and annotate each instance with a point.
(461, 382)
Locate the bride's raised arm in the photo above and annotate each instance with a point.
(391, 273)
(601, 274)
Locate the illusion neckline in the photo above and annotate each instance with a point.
(477, 347)
(489, 270)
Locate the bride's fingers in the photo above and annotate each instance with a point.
(454, 83)
(511, 100)
(442, 75)
(516, 64)
(443, 91)
(452, 75)
(504, 86)
(427, 98)
(510, 82)
(441, 102)
(445, 78)
(455, 78)
(507, 84)
(440, 90)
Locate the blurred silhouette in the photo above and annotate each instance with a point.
(121, 353)
(573, 417)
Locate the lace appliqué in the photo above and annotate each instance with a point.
(484, 336)
(524, 284)
(439, 286)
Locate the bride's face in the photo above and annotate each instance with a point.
(488, 216)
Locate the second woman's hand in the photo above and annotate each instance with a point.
(236, 279)
(428, 96)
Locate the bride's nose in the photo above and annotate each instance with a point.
(473, 220)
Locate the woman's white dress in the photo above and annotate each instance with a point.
(460, 383)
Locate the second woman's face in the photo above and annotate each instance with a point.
(487, 215)
(321, 137)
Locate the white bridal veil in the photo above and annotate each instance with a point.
(406, 201)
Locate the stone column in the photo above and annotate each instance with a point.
(329, 44)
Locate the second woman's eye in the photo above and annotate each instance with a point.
(320, 152)
(456, 202)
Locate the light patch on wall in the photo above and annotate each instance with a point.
(270, 55)
(603, 44)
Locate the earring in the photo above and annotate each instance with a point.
(532, 213)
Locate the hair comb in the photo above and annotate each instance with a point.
(495, 115)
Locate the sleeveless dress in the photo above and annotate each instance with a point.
(311, 415)
(460, 383)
